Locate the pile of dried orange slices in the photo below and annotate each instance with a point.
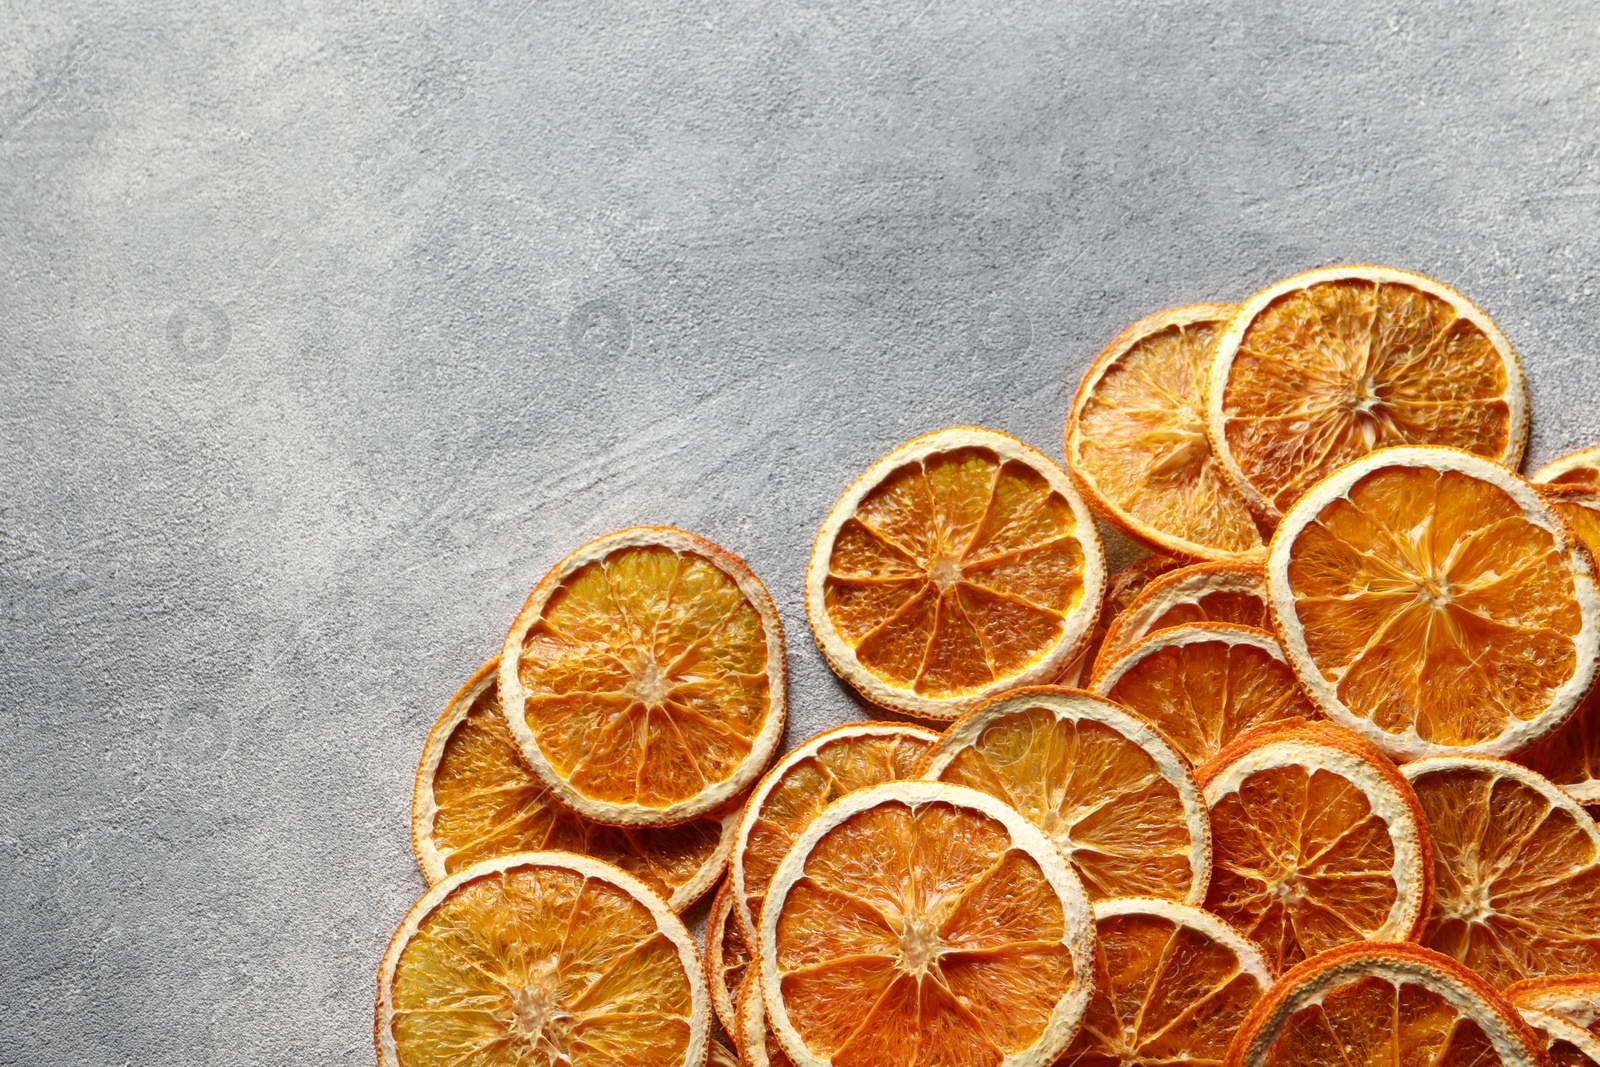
(1304, 786)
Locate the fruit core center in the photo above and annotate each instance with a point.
(944, 571)
(1434, 589)
(1363, 397)
(1289, 889)
(649, 684)
(1473, 906)
(538, 1017)
(920, 947)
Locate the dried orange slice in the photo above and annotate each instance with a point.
(1430, 601)
(1570, 755)
(541, 957)
(1121, 590)
(644, 678)
(1204, 684)
(807, 779)
(1574, 997)
(918, 922)
(1518, 870)
(1318, 842)
(1567, 1045)
(1575, 468)
(1579, 505)
(1205, 592)
(1102, 785)
(757, 1046)
(1172, 984)
(1136, 439)
(1383, 1003)
(961, 564)
(727, 958)
(476, 799)
(1322, 368)
(718, 1055)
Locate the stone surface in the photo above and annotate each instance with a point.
(326, 330)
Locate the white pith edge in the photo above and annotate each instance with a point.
(1079, 706)
(1251, 962)
(1515, 396)
(1555, 1028)
(1576, 1008)
(1165, 540)
(1584, 457)
(1077, 625)
(1553, 794)
(717, 923)
(762, 746)
(1188, 634)
(1078, 917)
(752, 1023)
(756, 802)
(1133, 625)
(1408, 745)
(1395, 971)
(1408, 871)
(667, 922)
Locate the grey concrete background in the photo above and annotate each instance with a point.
(325, 330)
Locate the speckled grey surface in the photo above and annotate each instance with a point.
(325, 331)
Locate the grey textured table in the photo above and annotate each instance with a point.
(326, 331)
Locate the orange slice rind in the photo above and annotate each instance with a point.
(644, 678)
(961, 564)
(1570, 754)
(922, 922)
(1518, 870)
(541, 954)
(1574, 997)
(1122, 589)
(1103, 786)
(1203, 684)
(1430, 601)
(1136, 439)
(1383, 1002)
(757, 1046)
(1205, 592)
(475, 798)
(726, 960)
(1579, 507)
(1566, 1044)
(1575, 468)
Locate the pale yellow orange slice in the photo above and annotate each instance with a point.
(1579, 505)
(921, 923)
(1121, 590)
(960, 565)
(1172, 986)
(1517, 873)
(1575, 468)
(1320, 369)
(1136, 439)
(1430, 601)
(644, 678)
(808, 778)
(1384, 1003)
(1570, 755)
(541, 957)
(1204, 684)
(727, 958)
(1114, 797)
(476, 799)
(1318, 842)
(1206, 592)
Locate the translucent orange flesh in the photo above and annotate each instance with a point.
(1430, 602)
(1326, 374)
(1581, 509)
(842, 765)
(1374, 1021)
(540, 965)
(1187, 605)
(921, 937)
(646, 677)
(1165, 995)
(1570, 757)
(1141, 440)
(1517, 881)
(1099, 796)
(1204, 693)
(954, 572)
(491, 804)
(1122, 589)
(1301, 863)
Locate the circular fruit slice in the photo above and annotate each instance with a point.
(1172, 984)
(1122, 589)
(811, 776)
(1579, 506)
(1205, 592)
(1318, 842)
(1204, 684)
(1518, 870)
(1322, 368)
(476, 799)
(541, 957)
(1136, 439)
(1104, 787)
(756, 1043)
(1575, 468)
(1383, 1003)
(959, 565)
(1574, 997)
(1567, 1045)
(644, 678)
(1570, 755)
(1429, 601)
(917, 922)
(727, 957)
